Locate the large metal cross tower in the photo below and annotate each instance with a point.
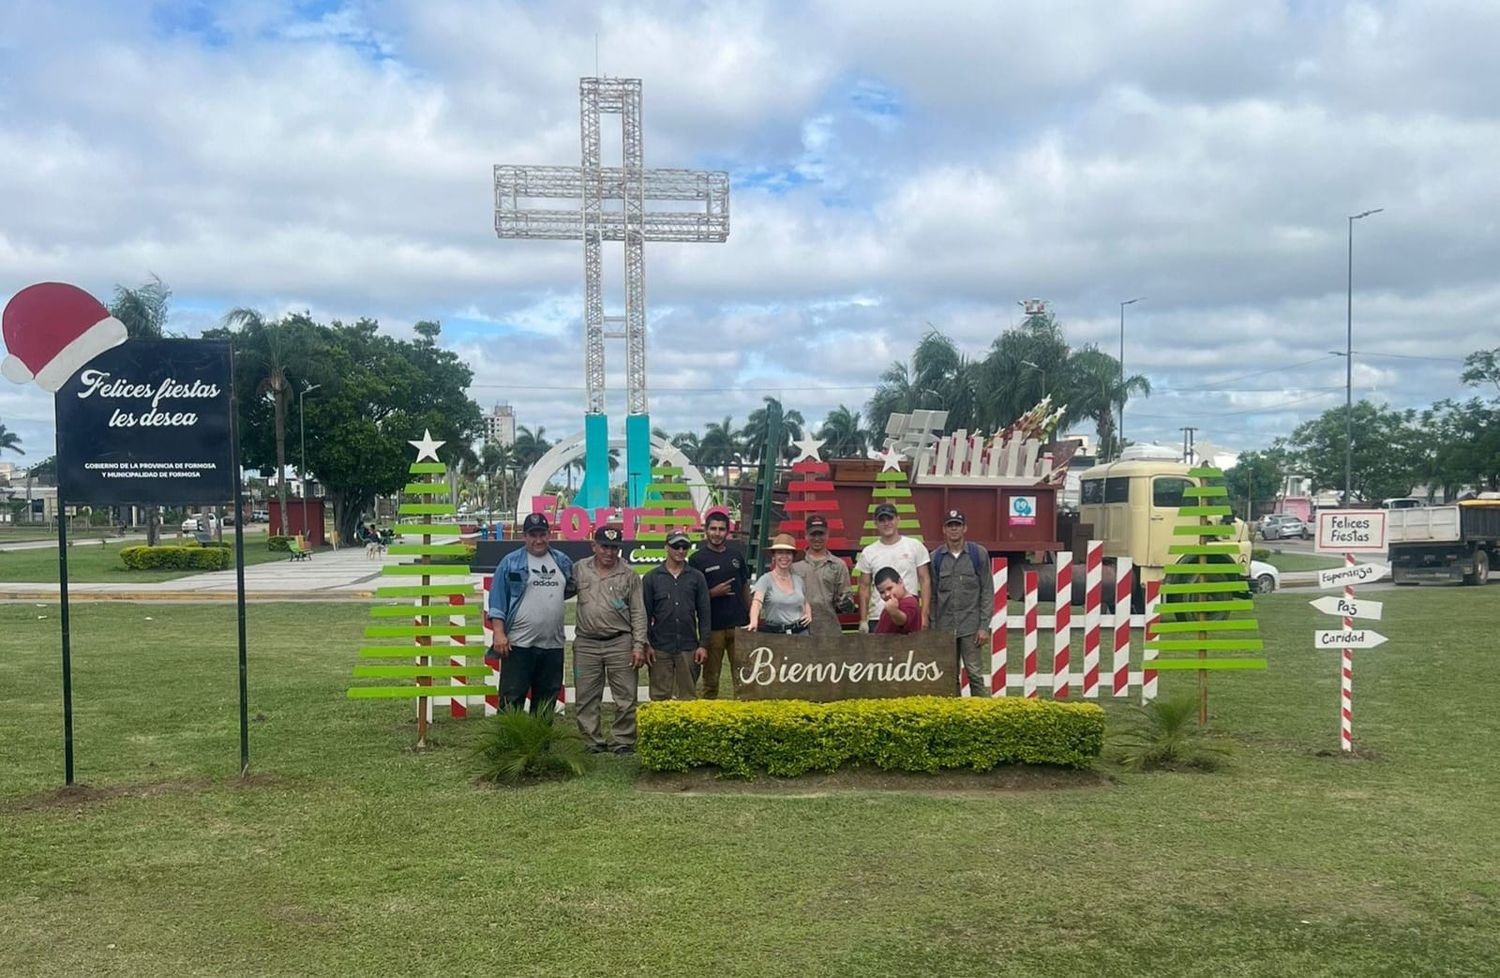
(529, 203)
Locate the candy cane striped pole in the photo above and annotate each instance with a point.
(1028, 638)
(1120, 665)
(999, 623)
(1346, 674)
(491, 699)
(1093, 583)
(1062, 628)
(458, 705)
(1153, 616)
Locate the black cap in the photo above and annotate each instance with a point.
(535, 521)
(884, 509)
(610, 536)
(817, 523)
(954, 516)
(678, 537)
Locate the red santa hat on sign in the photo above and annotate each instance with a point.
(51, 330)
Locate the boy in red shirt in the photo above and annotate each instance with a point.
(902, 612)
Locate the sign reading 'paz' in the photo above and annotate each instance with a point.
(843, 667)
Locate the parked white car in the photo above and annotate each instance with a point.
(1264, 578)
(202, 523)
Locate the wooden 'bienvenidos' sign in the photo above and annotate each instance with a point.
(802, 667)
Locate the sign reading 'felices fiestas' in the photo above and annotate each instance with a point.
(148, 422)
(806, 667)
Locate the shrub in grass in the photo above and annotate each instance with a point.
(1165, 735)
(175, 558)
(918, 733)
(516, 747)
(282, 544)
(1260, 553)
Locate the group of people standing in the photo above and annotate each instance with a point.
(681, 619)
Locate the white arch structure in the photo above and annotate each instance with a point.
(571, 449)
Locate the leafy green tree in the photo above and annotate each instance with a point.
(1255, 477)
(1482, 366)
(1386, 447)
(1459, 445)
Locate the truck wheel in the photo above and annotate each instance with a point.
(1481, 573)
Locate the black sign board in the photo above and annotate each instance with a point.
(148, 422)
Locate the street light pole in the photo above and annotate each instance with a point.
(302, 425)
(1120, 425)
(1349, 364)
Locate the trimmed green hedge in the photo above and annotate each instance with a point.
(176, 558)
(280, 543)
(918, 733)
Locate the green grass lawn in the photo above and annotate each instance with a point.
(1288, 561)
(95, 562)
(349, 853)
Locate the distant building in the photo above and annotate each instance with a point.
(500, 426)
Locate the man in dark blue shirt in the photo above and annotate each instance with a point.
(677, 613)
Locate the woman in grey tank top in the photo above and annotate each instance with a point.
(779, 603)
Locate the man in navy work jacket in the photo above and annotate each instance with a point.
(677, 613)
(525, 613)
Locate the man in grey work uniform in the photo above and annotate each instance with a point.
(825, 580)
(676, 597)
(964, 595)
(610, 641)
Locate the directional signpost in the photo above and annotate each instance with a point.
(1349, 531)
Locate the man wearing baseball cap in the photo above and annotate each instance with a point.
(963, 590)
(609, 641)
(525, 615)
(901, 553)
(825, 579)
(678, 622)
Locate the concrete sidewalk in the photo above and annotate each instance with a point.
(338, 575)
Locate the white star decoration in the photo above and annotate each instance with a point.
(427, 448)
(808, 448)
(890, 459)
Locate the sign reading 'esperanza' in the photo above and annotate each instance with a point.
(148, 422)
(802, 667)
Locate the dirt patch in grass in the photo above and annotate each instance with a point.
(82, 796)
(1005, 779)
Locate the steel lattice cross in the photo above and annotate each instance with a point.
(702, 214)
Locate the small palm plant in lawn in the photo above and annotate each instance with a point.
(1164, 735)
(517, 747)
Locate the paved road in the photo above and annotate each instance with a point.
(334, 575)
(50, 543)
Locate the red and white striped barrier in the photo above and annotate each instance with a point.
(999, 625)
(1346, 673)
(1062, 627)
(458, 703)
(1153, 616)
(1028, 637)
(1119, 666)
(1093, 582)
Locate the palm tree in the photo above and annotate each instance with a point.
(687, 443)
(843, 435)
(1094, 390)
(279, 353)
(939, 378)
(11, 440)
(530, 446)
(142, 310)
(755, 430)
(720, 446)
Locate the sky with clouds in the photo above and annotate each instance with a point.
(892, 164)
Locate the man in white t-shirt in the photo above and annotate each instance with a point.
(906, 555)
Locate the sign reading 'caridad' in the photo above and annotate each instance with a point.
(148, 422)
(803, 667)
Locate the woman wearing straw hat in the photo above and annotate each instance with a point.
(779, 603)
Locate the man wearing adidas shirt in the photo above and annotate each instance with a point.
(525, 614)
